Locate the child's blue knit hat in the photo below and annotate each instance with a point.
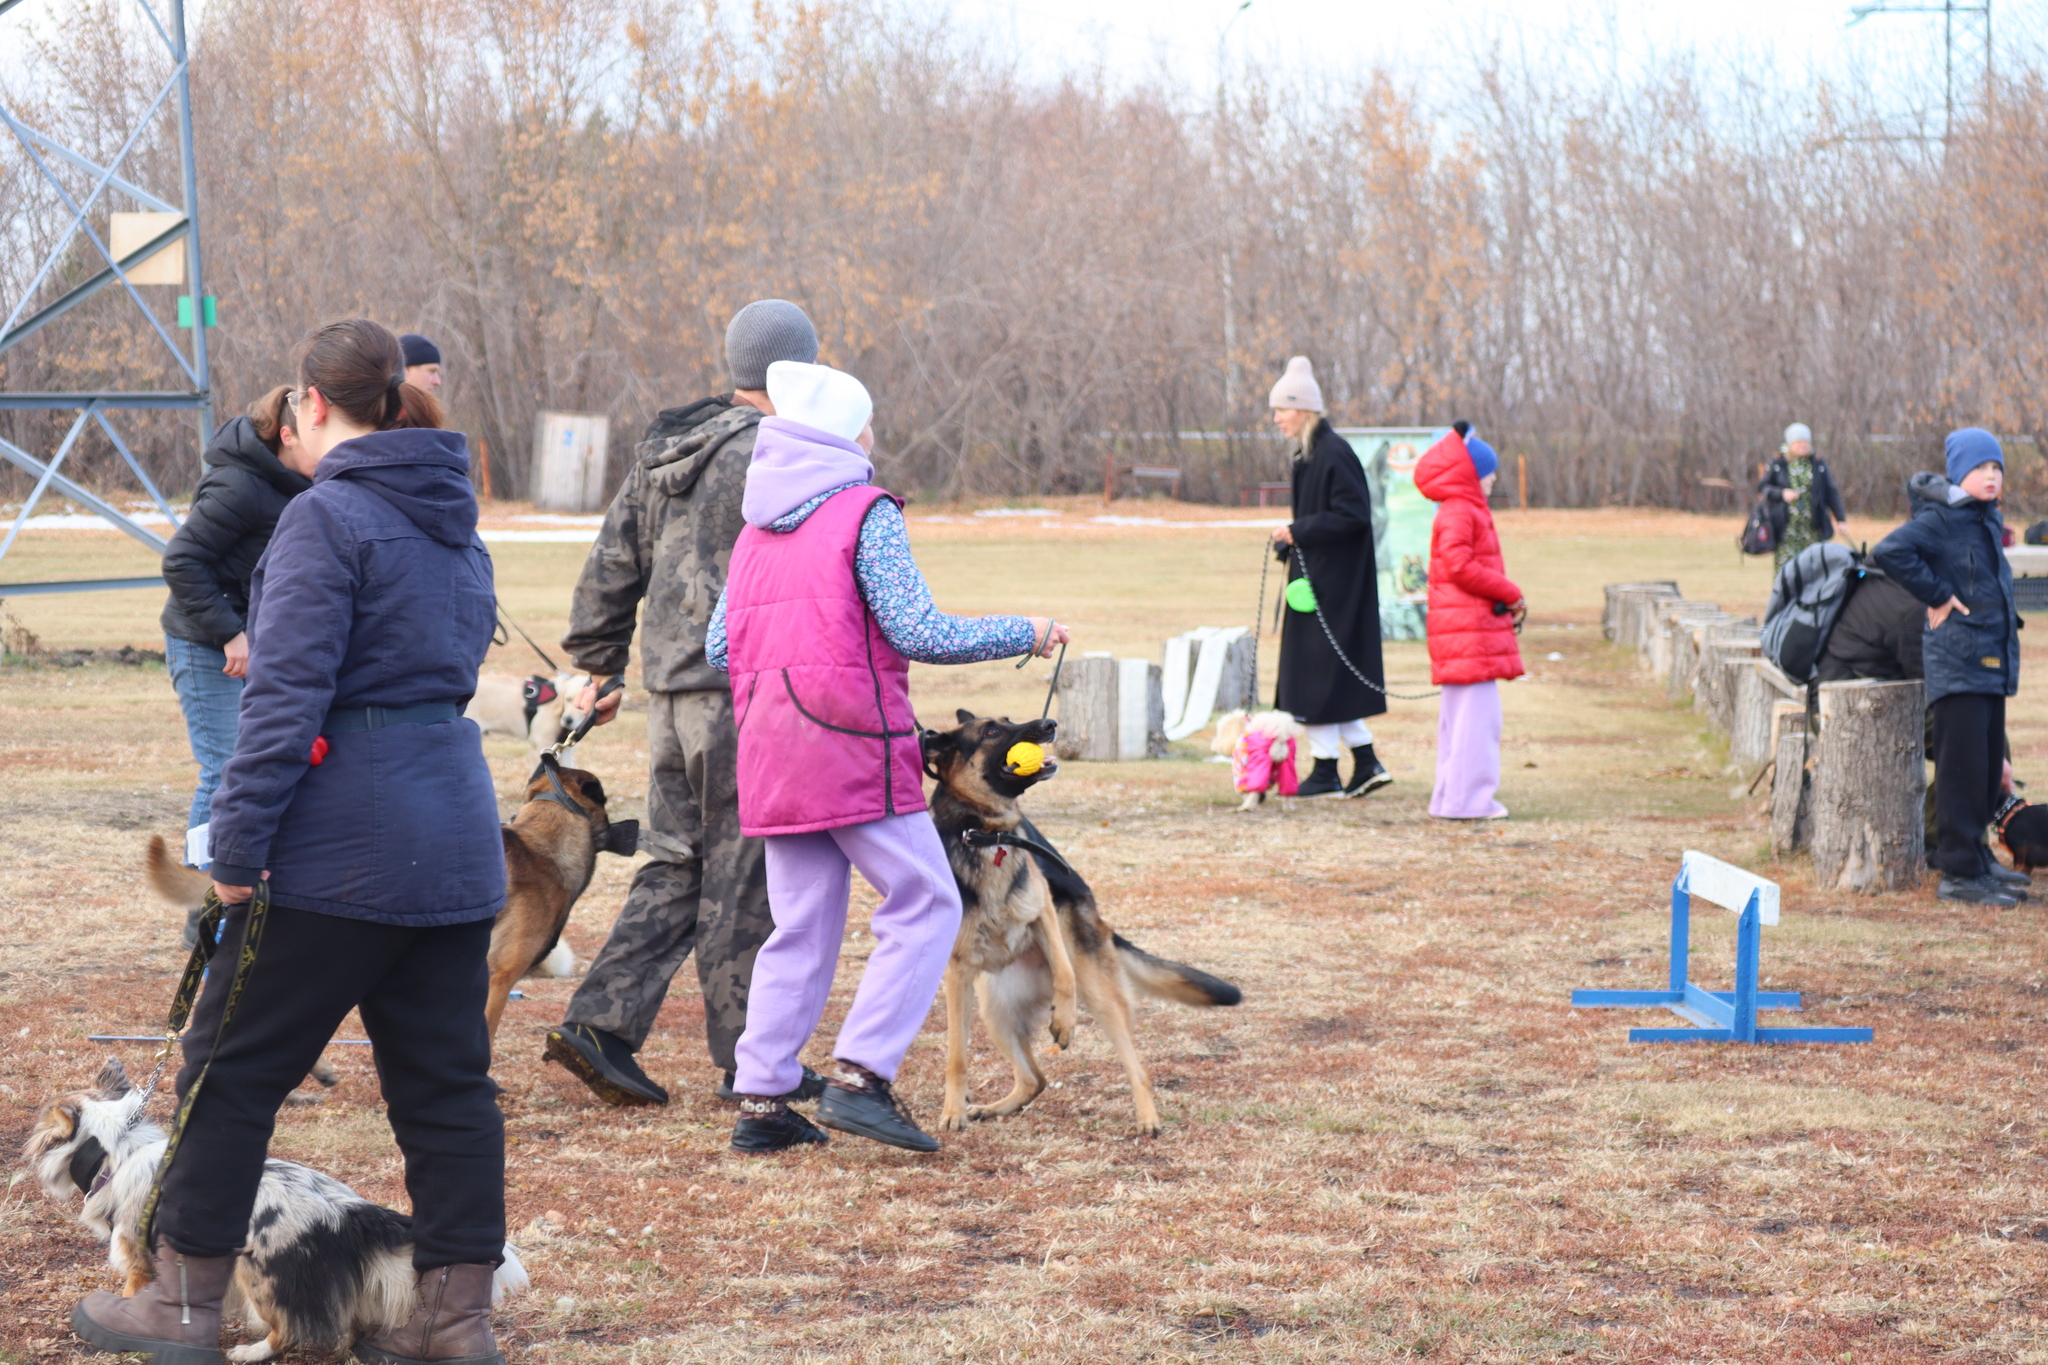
(1968, 448)
(1483, 459)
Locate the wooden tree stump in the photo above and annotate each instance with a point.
(1140, 710)
(1088, 708)
(1752, 730)
(1791, 780)
(1637, 607)
(1868, 785)
(1664, 629)
(1610, 618)
(1711, 687)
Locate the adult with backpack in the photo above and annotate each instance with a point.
(1951, 558)
(1799, 497)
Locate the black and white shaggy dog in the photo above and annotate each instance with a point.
(324, 1265)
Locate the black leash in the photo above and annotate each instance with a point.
(1330, 635)
(500, 638)
(551, 757)
(1003, 838)
(213, 912)
(1059, 663)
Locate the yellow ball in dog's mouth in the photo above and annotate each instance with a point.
(1025, 758)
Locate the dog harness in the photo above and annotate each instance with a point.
(88, 1167)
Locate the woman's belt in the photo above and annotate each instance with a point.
(348, 720)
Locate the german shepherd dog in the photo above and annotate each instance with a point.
(1032, 942)
(551, 850)
(322, 1266)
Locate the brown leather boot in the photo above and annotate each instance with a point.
(451, 1326)
(175, 1317)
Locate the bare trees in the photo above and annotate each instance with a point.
(1635, 285)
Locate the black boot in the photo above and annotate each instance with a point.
(1368, 774)
(1322, 780)
(603, 1062)
(807, 1089)
(770, 1125)
(175, 1317)
(861, 1103)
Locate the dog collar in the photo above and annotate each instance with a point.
(89, 1167)
(1001, 839)
(2011, 806)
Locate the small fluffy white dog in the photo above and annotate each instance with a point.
(1261, 750)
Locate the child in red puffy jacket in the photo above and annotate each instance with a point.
(1474, 609)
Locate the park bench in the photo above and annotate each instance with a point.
(1718, 1016)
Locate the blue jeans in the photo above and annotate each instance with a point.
(212, 703)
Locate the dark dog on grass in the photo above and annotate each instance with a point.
(551, 850)
(1032, 943)
(322, 1266)
(2023, 829)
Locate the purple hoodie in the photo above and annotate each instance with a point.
(794, 463)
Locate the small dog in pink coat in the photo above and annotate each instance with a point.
(1261, 750)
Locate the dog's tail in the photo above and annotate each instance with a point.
(172, 881)
(1177, 981)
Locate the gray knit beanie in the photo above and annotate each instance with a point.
(763, 332)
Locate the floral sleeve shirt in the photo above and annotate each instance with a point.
(898, 595)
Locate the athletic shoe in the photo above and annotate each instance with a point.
(2014, 882)
(770, 1125)
(1975, 891)
(1322, 780)
(1368, 774)
(861, 1103)
(603, 1062)
(807, 1089)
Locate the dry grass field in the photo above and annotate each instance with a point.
(1404, 1145)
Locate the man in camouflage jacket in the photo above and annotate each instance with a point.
(666, 542)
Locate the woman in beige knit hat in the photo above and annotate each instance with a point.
(1331, 538)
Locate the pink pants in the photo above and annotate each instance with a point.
(915, 925)
(1468, 753)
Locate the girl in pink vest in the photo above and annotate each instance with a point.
(822, 609)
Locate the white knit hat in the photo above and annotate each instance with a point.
(1298, 388)
(821, 397)
(1798, 431)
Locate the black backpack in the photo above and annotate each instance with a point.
(1758, 536)
(1806, 600)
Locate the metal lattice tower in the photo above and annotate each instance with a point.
(41, 305)
(1966, 53)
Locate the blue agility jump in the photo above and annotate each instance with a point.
(1719, 1016)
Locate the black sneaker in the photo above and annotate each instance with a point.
(770, 1125)
(807, 1089)
(1368, 774)
(1322, 780)
(603, 1062)
(1976, 891)
(861, 1103)
(2014, 882)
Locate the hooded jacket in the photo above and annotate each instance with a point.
(1954, 547)
(209, 561)
(1468, 641)
(376, 592)
(667, 539)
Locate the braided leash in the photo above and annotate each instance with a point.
(181, 1010)
(1302, 565)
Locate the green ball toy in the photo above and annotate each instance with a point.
(1300, 596)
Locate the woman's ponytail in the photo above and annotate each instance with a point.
(359, 368)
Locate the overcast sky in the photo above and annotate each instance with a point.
(1428, 38)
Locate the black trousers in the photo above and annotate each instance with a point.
(421, 993)
(1969, 759)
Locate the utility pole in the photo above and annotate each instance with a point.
(1966, 53)
(163, 231)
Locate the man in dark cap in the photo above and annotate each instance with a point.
(422, 362)
(666, 540)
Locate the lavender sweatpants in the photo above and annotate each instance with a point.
(1468, 753)
(915, 925)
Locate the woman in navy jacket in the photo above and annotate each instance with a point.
(1951, 556)
(361, 795)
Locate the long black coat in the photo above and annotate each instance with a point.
(211, 558)
(1333, 528)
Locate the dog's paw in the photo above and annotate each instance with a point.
(952, 1121)
(1062, 1031)
(299, 1098)
(254, 1351)
(1149, 1130)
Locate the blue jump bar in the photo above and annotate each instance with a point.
(1763, 1035)
(79, 585)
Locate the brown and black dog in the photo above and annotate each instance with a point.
(551, 850)
(1032, 943)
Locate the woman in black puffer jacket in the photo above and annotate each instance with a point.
(248, 480)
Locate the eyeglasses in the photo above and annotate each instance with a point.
(296, 397)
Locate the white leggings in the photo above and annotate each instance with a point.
(1324, 739)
